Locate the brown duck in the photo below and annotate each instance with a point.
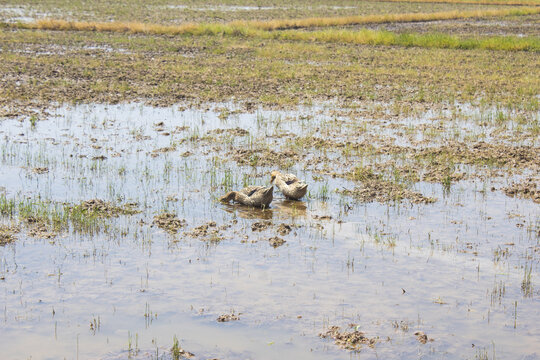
(256, 196)
(290, 185)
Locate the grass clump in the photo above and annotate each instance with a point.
(101, 208)
(169, 222)
(7, 206)
(177, 352)
(46, 219)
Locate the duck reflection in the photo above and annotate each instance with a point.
(248, 212)
(283, 208)
(290, 208)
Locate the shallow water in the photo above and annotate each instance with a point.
(392, 269)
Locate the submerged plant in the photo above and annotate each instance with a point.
(526, 283)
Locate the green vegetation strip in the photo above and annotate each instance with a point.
(474, 2)
(441, 41)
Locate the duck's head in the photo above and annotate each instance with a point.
(273, 175)
(228, 197)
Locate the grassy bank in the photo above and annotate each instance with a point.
(365, 37)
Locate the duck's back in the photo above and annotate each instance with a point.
(289, 179)
(250, 190)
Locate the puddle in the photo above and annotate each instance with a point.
(21, 14)
(463, 271)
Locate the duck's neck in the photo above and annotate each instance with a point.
(279, 181)
(235, 195)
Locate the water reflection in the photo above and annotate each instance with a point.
(280, 208)
(291, 208)
(248, 212)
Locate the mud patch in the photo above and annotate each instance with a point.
(517, 157)
(261, 225)
(168, 222)
(101, 208)
(385, 191)
(7, 234)
(348, 340)
(157, 152)
(442, 173)
(233, 132)
(40, 170)
(208, 232)
(264, 157)
(40, 230)
(284, 229)
(527, 189)
(422, 337)
(228, 317)
(322, 217)
(276, 241)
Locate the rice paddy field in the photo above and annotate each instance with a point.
(415, 124)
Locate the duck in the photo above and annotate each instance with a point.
(292, 187)
(255, 196)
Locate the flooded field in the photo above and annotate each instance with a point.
(114, 243)
(415, 125)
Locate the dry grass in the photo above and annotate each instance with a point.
(385, 18)
(243, 27)
(138, 28)
(121, 27)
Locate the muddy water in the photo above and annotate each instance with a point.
(454, 269)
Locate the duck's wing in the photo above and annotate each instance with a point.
(289, 179)
(250, 190)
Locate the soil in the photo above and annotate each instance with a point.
(7, 234)
(40, 230)
(348, 340)
(260, 225)
(276, 241)
(103, 208)
(527, 189)
(169, 222)
(385, 191)
(208, 232)
(283, 229)
(422, 337)
(228, 317)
